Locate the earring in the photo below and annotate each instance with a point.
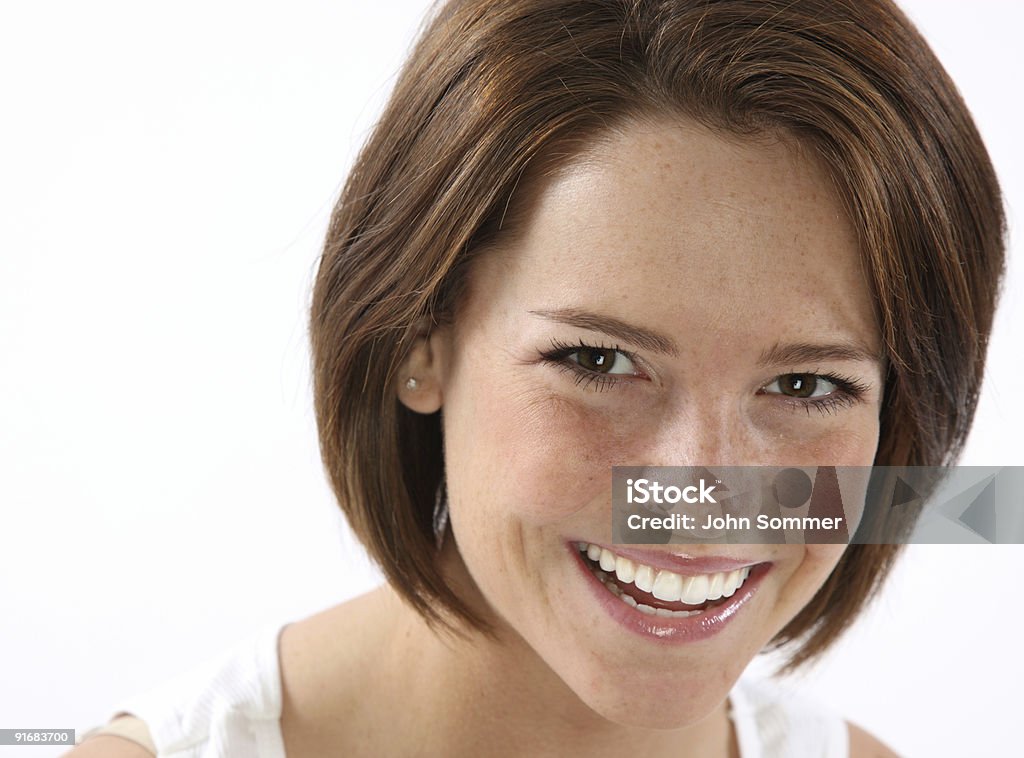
(412, 383)
(440, 513)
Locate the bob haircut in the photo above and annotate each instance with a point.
(492, 89)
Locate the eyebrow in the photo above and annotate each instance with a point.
(648, 339)
(806, 352)
(643, 338)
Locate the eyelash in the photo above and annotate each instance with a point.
(848, 392)
(558, 356)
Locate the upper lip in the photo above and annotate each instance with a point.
(681, 562)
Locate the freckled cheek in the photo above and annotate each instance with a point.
(852, 442)
(556, 453)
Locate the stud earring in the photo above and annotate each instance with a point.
(412, 383)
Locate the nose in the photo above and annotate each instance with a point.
(708, 434)
(709, 445)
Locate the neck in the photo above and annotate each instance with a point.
(465, 695)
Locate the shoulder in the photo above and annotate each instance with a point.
(863, 744)
(313, 665)
(235, 695)
(106, 746)
(322, 682)
(124, 737)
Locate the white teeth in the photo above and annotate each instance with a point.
(717, 583)
(625, 569)
(644, 578)
(696, 591)
(664, 585)
(667, 586)
(732, 583)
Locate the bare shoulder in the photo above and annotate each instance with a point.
(121, 738)
(310, 657)
(322, 681)
(109, 746)
(863, 744)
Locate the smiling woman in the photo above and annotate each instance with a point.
(754, 231)
(591, 234)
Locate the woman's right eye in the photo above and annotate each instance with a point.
(592, 367)
(602, 360)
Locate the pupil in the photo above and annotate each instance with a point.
(597, 360)
(801, 385)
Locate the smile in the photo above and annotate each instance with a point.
(659, 591)
(668, 597)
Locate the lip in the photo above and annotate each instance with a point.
(675, 631)
(685, 565)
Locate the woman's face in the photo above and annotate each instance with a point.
(644, 314)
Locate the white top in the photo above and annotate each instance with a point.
(232, 707)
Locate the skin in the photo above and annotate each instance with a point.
(725, 247)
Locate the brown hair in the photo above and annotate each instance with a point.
(492, 87)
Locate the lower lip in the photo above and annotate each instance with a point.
(673, 630)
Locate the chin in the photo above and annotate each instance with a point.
(663, 700)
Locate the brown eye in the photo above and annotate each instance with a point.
(601, 360)
(801, 385)
(596, 359)
(824, 392)
(798, 385)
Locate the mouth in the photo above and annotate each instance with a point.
(666, 604)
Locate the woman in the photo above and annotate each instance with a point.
(588, 234)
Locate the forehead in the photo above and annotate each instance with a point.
(675, 224)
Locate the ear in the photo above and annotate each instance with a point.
(420, 379)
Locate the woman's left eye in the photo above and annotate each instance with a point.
(602, 360)
(827, 394)
(801, 386)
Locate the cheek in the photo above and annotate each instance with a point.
(818, 562)
(848, 439)
(551, 456)
(853, 445)
(800, 573)
(821, 559)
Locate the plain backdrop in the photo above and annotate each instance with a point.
(166, 172)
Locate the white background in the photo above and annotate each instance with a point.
(166, 173)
